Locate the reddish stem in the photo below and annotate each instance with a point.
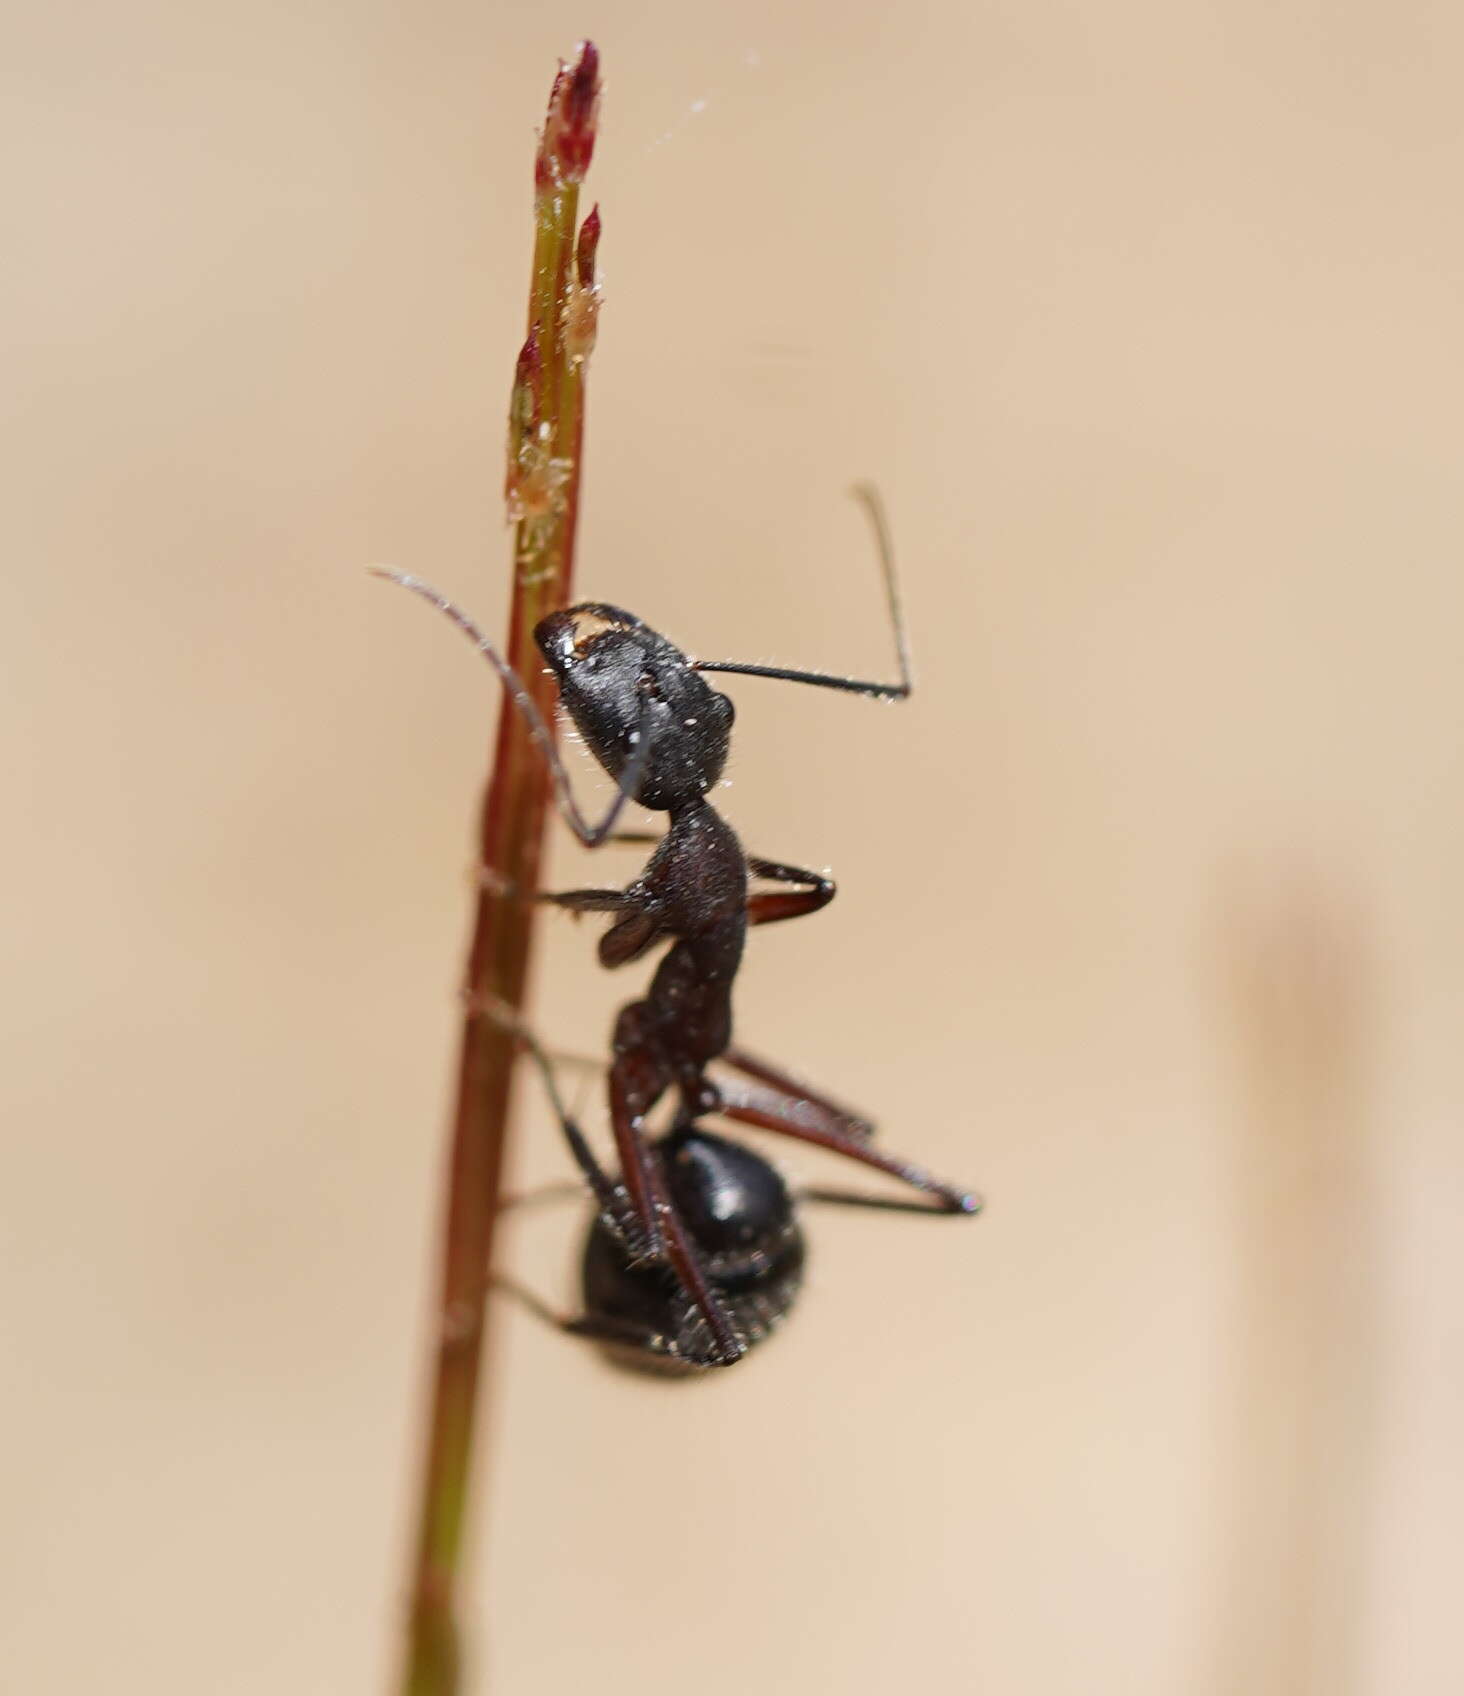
(546, 424)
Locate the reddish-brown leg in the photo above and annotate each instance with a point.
(686, 1264)
(627, 1119)
(765, 907)
(808, 1121)
(797, 1090)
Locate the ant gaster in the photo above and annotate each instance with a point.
(662, 733)
(738, 1213)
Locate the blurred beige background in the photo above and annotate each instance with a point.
(1148, 319)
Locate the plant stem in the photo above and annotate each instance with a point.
(546, 421)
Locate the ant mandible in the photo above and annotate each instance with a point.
(662, 734)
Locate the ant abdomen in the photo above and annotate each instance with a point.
(739, 1215)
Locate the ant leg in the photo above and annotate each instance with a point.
(627, 1118)
(820, 1197)
(635, 1085)
(845, 1118)
(627, 1338)
(658, 1233)
(628, 940)
(635, 935)
(592, 835)
(520, 1200)
(610, 1198)
(766, 909)
(773, 1110)
(620, 1334)
(727, 1346)
(588, 900)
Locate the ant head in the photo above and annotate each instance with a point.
(733, 1202)
(617, 676)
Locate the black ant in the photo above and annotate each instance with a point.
(662, 734)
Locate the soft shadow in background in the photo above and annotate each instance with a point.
(1299, 1468)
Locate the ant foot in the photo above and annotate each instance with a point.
(495, 1010)
(495, 884)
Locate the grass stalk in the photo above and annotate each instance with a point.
(546, 428)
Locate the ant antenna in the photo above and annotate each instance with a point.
(868, 497)
(590, 835)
